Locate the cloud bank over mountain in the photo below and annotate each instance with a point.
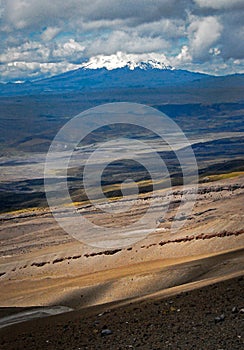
(43, 38)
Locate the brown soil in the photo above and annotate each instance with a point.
(208, 318)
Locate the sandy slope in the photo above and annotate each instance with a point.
(41, 265)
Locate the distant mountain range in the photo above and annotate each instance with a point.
(146, 75)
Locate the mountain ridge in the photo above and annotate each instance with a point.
(143, 76)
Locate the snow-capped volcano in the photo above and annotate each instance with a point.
(118, 71)
(132, 61)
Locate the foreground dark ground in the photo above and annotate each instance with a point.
(210, 318)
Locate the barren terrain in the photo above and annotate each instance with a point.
(42, 265)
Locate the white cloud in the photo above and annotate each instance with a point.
(165, 28)
(28, 51)
(215, 51)
(69, 49)
(183, 57)
(25, 13)
(37, 51)
(22, 14)
(220, 4)
(18, 70)
(129, 42)
(50, 33)
(203, 33)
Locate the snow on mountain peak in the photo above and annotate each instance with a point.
(132, 61)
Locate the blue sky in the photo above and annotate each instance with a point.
(43, 38)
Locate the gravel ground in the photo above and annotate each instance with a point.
(210, 318)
